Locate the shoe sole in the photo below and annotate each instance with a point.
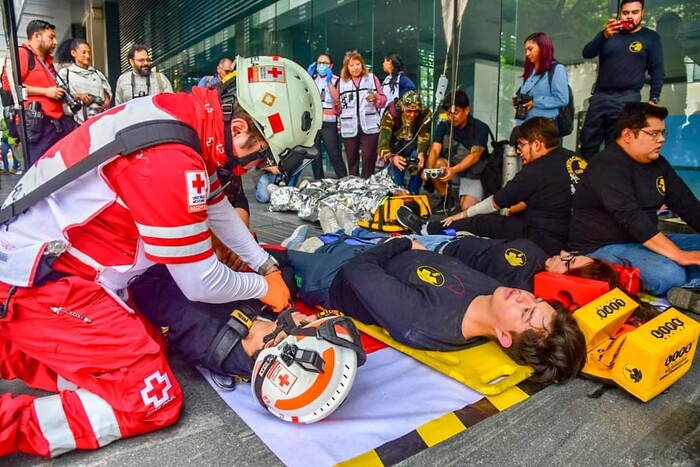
(292, 237)
(685, 298)
(405, 224)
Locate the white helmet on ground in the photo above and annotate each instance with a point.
(305, 377)
(284, 100)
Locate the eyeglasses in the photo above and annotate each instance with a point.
(142, 60)
(227, 70)
(522, 145)
(655, 134)
(568, 258)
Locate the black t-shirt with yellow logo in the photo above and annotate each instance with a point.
(546, 185)
(624, 60)
(512, 262)
(418, 296)
(617, 200)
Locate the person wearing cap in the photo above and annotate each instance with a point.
(404, 139)
(69, 259)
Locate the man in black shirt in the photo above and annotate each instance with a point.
(430, 301)
(625, 51)
(614, 208)
(545, 185)
(463, 157)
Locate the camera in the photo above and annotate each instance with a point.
(69, 99)
(519, 102)
(434, 173)
(412, 164)
(97, 100)
(626, 24)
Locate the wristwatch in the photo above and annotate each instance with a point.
(655, 100)
(269, 263)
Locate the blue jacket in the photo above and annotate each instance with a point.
(547, 101)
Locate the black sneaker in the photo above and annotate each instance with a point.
(444, 207)
(409, 219)
(685, 298)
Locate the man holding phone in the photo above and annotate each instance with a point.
(626, 51)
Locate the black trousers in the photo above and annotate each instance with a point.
(52, 131)
(329, 135)
(603, 112)
(505, 227)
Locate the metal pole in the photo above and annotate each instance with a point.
(10, 25)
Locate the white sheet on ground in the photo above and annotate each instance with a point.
(393, 394)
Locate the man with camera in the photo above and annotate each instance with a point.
(545, 188)
(45, 119)
(459, 152)
(404, 138)
(626, 51)
(141, 80)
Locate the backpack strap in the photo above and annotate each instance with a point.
(161, 83)
(394, 112)
(127, 141)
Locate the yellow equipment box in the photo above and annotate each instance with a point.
(657, 354)
(600, 319)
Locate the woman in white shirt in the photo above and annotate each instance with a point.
(87, 84)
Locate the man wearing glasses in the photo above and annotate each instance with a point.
(141, 80)
(68, 261)
(224, 68)
(614, 208)
(544, 187)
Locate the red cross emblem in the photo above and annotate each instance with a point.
(275, 72)
(156, 389)
(198, 183)
(284, 380)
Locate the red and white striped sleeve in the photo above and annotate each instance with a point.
(166, 189)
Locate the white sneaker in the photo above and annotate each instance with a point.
(294, 241)
(311, 244)
(347, 220)
(329, 223)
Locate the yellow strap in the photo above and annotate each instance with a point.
(507, 398)
(440, 429)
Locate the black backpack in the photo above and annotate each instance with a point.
(8, 100)
(565, 119)
(492, 176)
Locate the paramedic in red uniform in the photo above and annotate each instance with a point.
(66, 263)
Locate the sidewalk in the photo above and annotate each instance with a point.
(558, 426)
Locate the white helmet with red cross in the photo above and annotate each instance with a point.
(283, 99)
(305, 377)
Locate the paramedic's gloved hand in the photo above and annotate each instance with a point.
(311, 69)
(278, 296)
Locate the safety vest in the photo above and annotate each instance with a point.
(43, 226)
(326, 98)
(356, 108)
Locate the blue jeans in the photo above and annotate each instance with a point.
(659, 274)
(261, 193)
(433, 242)
(399, 177)
(5, 161)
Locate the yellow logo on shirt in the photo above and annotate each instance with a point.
(636, 47)
(515, 258)
(661, 185)
(430, 276)
(575, 165)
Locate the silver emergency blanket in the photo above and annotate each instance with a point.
(354, 195)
